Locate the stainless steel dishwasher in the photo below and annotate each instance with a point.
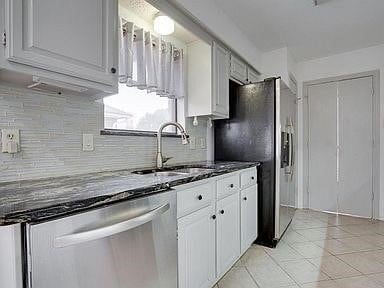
(132, 244)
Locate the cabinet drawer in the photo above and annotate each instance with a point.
(227, 186)
(194, 198)
(248, 178)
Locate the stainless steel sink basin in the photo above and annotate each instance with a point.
(193, 170)
(168, 173)
(173, 171)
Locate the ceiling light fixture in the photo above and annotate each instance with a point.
(164, 25)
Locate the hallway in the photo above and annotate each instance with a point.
(319, 250)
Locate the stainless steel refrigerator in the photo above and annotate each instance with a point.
(261, 127)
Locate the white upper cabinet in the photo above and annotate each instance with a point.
(241, 72)
(73, 38)
(208, 80)
(220, 81)
(238, 70)
(253, 76)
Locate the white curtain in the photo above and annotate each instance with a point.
(125, 51)
(148, 62)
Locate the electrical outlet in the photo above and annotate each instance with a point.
(192, 143)
(10, 140)
(202, 143)
(88, 142)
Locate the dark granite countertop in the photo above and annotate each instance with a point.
(40, 200)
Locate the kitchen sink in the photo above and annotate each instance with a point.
(193, 170)
(173, 171)
(168, 173)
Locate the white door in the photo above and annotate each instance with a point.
(322, 160)
(340, 146)
(220, 80)
(228, 232)
(196, 246)
(355, 98)
(248, 217)
(71, 37)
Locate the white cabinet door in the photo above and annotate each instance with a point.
(253, 77)
(220, 80)
(228, 232)
(248, 217)
(71, 37)
(238, 70)
(196, 241)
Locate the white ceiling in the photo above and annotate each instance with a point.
(334, 26)
(147, 12)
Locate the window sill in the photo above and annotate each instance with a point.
(116, 132)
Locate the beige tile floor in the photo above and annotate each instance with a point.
(319, 250)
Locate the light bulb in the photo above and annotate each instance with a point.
(164, 25)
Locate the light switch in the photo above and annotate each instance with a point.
(192, 142)
(88, 142)
(10, 141)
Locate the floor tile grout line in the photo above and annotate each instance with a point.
(254, 280)
(284, 269)
(356, 268)
(372, 246)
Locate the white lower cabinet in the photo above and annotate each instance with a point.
(227, 232)
(196, 244)
(248, 217)
(215, 226)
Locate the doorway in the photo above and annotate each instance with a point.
(340, 134)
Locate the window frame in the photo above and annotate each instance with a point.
(131, 132)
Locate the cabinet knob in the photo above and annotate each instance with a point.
(200, 197)
(113, 70)
(253, 178)
(245, 198)
(213, 217)
(221, 211)
(231, 186)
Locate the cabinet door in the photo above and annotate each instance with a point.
(228, 232)
(196, 244)
(71, 37)
(238, 70)
(253, 77)
(248, 217)
(220, 80)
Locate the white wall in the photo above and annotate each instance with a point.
(51, 129)
(353, 62)
(209, 14)
(280, 62)
(275, 63)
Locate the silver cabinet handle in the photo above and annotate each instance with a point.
(102, 232)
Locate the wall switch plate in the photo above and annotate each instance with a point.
(88, 142)
(10, 140)
(192, 143)
(202, 143)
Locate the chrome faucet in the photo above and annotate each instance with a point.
(160, 159)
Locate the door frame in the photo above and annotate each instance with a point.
(375, 74)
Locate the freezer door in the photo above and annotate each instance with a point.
(127, 245)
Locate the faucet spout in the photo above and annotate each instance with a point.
(160, 160)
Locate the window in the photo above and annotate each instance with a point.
(138, 110)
